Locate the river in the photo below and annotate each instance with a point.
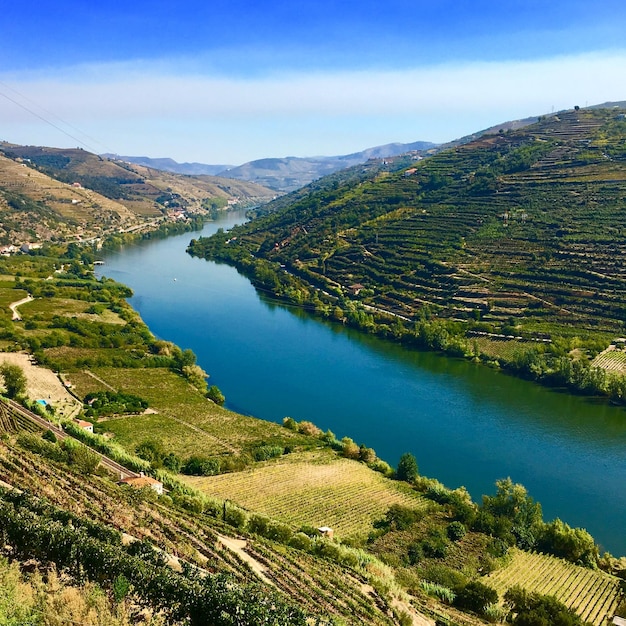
(465, 423)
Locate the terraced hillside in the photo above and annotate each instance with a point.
(522, 230)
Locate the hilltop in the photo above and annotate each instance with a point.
(514, 236)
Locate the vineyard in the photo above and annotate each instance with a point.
(319, 586)
(306, 490)
(592, 594)
(611, 360)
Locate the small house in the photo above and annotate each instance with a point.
(88, 426)
(141, 481)
(356, 289)
(618, 621)
(325, 531)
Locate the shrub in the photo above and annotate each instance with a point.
(264, 453)
(258, 524)
(476, 597)
(201, 466)
(214, 393)
(309, 428)
(300, 541)
(456, 531)
(49, 436)
(290, 423)
(349, 449)
(438, 591)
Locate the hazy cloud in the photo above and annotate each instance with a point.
(441, 102)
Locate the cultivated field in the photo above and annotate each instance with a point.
(314, 489)
(592, 594)
(185, 421)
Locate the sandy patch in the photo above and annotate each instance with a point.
(43, 384)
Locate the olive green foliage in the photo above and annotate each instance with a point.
(512, 516)
(532, 609)
(476, 597)
(14, 380)
(110, 402)
(214, 394)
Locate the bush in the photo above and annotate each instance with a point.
(309, 428)
(300, 541)
(201, 466)
(49, 436)
(290, 423)
(264, 453)
(80, 457)
(456, 531)
(476, 597)
(213, 393)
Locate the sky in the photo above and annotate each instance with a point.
(230, 81)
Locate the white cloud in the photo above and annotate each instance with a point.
(436, 102)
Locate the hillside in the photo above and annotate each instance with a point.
(517, 234)
(51, 193)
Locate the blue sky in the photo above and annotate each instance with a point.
(228, 81)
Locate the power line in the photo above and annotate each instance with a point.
(49, 122)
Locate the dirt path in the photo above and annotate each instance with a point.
(238, 547)
(103, 382)
(43, 384)
(13, 306)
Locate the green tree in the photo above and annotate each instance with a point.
(14, 380)
(513, 503)
(407, 468)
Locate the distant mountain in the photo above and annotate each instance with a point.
(291, 173)
(48, 193)
(280, 174)
(169, 165)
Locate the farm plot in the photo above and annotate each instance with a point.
(312, 489)
(185, 420)
(611, 360)
(592, 594)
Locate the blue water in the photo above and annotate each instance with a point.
(466, 424)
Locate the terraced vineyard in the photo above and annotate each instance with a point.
(611, 360)
(344, 495)
(592, 594)
(186, 421)
(521, 229)
(319, 586)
